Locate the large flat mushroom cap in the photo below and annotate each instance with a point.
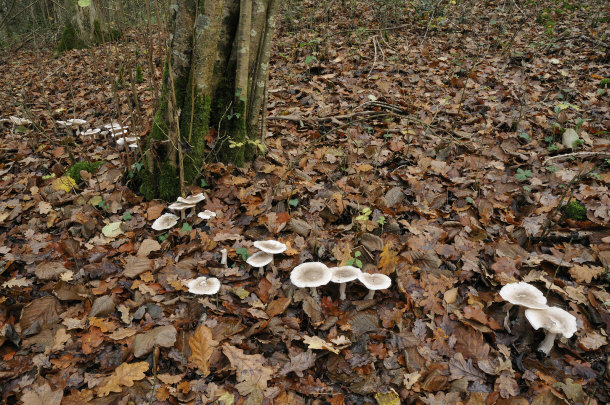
(165, 221)
(375, 281)
(310, 274)
(259, 259)
(270, 246)
(343, 274)
(206, 214)
(204, 285)
(180, 206)
(523, 294)
(553, 320)
(194, 199)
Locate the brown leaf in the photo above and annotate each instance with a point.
(251, 373)
(164, 336)
(124, 375)
(42, 395)
(40, 313)
(135, 265)
(584, 274)
(387, 260)
(202, 346)
(49, 270)
(91, 340)
(462, 368)
(278, 306)
(299, 362)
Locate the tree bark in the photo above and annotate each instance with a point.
(216, 71)
(85, 26)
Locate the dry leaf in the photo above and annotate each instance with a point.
(124, 375)
(387, 260)
(584, 274)
(135, 265)
(164, 336)
(202, 345)
(42, 395)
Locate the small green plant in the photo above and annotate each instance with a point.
(365, 214)
(139, 74)
(354, 261)
(575, 210)
(74, 170)
(293, 202)
(186, 227)
(243, 252)
(525, 136)
(523, 174)
(127, 216)
(161, 238)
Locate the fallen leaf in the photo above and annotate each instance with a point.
(202, 346)
(42, 395)
(124, 375)
(584, 274)
(387, 260)
(163, 336)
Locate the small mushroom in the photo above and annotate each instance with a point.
(194, 199)
(204, 285)
(207, 214)
(273, 247)
(374, 282)
(224, 258)
(523, 294)
(180, 206)
(555, 321)
(165, 221)
(311, 274)
(129, 140)
(260, 260)
(91, 131)
(19, 121)
(343, 275)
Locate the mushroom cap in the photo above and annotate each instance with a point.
(343, 274)
(376, 281)
(524, 294)
(165, 221)
(270, 246)
(259, 259)
(76, 122)
(310, 274)
(193, 199)
(206, 214)
(180, 206)
(204, 285)
(92, 131)
(19, 121)
(553, 320)
(126, 139)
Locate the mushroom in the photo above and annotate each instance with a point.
(374, 282)
(223, 258)
(260, 260)
(165, 221)
(311, 274)
(180, 206)
(19, 121)
(342, 275)
(524, 294)
(273, 247)
(194, 199)
(554, 321)
(129, 140)
(207, 214)
(91, 132)
(204, 285)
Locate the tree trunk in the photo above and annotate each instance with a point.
(213, 84)
(84, 26)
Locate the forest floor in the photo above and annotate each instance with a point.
(431, 151)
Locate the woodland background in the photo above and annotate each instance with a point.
(421, 139)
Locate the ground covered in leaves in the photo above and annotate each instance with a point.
(432, 152)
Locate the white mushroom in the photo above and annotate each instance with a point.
(207, 214)
(311, 274)
(224, 257)
(126, 139)
(374, 282)
(523, 294)
(270, 246)
(165, 221)
(19, 121)
(194, 199)
(92, 131)
(260, 260)
(555, 321)
(204, 285)
(180, 206)
(343, 275)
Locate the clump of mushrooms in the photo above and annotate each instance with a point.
(312, 275)
(204, 285)
(554, 320)
(374, 282)
(342, 275)
(182, 203)
(269, 248)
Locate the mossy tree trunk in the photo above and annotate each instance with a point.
(213, 85)
(85, 26)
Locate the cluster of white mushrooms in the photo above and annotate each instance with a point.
(169, 220)
(316, 274)
(115, 130)
(16, 121)
(554, 320)
(267, 248)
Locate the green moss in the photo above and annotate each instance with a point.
(74, 170)
(234, 150)
(139, 74)
(575, 210)
(169, 182)
(69, 39)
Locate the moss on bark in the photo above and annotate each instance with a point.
(69, 39)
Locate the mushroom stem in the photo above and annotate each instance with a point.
(314, 293)
(547, 344)
(261, 270)
(370, 295)
(342, 291)
(223, 259)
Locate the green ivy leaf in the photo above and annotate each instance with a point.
(293, 202)
(186, 227)
(127, 216)
(243, 252)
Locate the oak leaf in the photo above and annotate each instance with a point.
(202, 345)
(124, 375)
(387, 260)
(584, 274)
(252, 375)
